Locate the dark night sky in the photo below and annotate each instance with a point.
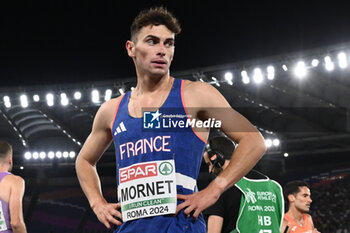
(46, 42)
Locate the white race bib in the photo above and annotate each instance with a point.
(3, 226)
(147, 189)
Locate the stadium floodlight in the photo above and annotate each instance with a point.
(328, 63)
(51, 155)
(27, 155)
(270, 72)
(42, 155)
(284, 67)
(24, 101)
(229, 77)
(50, 99)
(276, 142)
(35, 155)
(245, 77)
(108, 94)
(64, 99)
(58, 154)
(300, 70)
(258, 76)
(77, 95)
(121, 91)
(268, 143)
(7, 101)
(315, 62)
(65, 154)
(286, 155)
(36, 98)
(95, 96)
(72, 154)
(342, 61)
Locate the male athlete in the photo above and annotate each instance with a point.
(296, 220)
(11, 194)
(158, 156)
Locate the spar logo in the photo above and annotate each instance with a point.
(166, 168)
(138, 171)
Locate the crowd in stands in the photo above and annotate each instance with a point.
(331, 204)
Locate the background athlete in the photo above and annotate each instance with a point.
(151, 48)
(296, 220)
(11, 194)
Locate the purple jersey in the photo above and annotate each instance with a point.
(5, 226)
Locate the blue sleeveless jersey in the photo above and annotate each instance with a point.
(133, 145)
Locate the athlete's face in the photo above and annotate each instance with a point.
(152, 50)
(302, 200)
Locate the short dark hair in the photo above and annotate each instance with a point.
(154, 16)
(5, 149)
(293, 187)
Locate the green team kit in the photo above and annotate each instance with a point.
(262, 206)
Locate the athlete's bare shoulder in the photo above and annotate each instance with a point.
(14, 179)
(201, 94)
(106, 113)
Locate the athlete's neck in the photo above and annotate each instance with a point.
(295, 214)
(149, 85)
(4, 168)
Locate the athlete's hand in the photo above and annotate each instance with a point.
(315, 231)
(198, 201)
(106, 212)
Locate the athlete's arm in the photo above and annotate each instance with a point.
(215, 224)
(285, 226)
(94, 147)
(251, 146)
(15, 204)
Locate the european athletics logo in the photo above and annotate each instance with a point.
(151, 120)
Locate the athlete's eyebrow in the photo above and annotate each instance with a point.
(156, 38)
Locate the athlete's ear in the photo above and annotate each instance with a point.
(291, 198)
(130, 47)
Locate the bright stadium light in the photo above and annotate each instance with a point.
(36, 98)
(42, 155)
(121, 91)
(245, 77)
(72, 154)
(58, 154)
(229, 77)
(50, 99)
(95, 96)
(77, 95)
(108, 94)
(284, 67)
(315, 62)
(328, 63)
(286, 155)
(24, 101)
(342, 61)
(258, 76)
(27, 155)
(270, 72)
(51, 155)
(7, 101)
(64, 99)
(65, 154)
(300, 70)
(35, 155)
(276, 142)
(268, 143)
